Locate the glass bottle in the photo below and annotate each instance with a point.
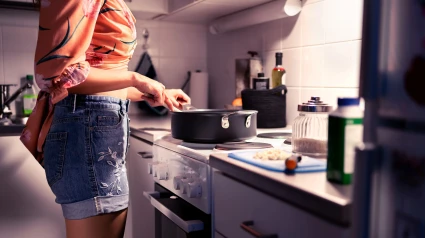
(278, 72)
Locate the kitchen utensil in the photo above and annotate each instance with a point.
(310, 128)
(307, 164)
(213, 125)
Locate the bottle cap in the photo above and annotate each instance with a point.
(348, 101)
(260, 75)
(30, 77)
(279, 54)
(314, 105)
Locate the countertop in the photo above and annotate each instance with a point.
(149, 127)
(308, 191)
(11, 130)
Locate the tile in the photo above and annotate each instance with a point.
(328, 95)
(152, 42)
(305, 2)
(20, 18)
(312, 24)
(343, 20)
(173, 71)
(291, 32)
(19, 39)
(342, 64)
(183, 43)
(292, 63)
(17, 66)
(272, 33)
(136, 59)
(312, 66)
(292, 101)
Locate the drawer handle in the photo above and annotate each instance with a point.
(145, 155)
(248, 227)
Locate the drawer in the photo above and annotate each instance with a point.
(236, 205)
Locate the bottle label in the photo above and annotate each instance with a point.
(343, 136)
(29, 103)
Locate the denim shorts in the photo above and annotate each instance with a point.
(84, 155)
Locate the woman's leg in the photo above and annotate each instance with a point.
(110, 225)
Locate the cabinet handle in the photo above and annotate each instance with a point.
(248, 227)
(145, 155)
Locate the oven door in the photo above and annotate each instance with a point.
(176, 218)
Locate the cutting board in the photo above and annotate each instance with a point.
(306, 165)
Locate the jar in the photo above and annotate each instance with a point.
(310, 128)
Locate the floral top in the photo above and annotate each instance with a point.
(73, 36)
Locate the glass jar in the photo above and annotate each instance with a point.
(310, 128)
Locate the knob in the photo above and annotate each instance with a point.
(194, 189)
(150, 167)
(177, 182)
(162, 172)
(184, 185)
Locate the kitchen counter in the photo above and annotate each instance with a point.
(308, 191)
(11, 130)
(149, 127)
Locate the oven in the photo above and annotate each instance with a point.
(182, 191)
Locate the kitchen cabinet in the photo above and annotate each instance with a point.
(147, 9)
(27, 204)
(237, 205)
(204, 11)
(141, 214)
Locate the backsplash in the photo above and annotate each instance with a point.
(321, 53)
(174, 48)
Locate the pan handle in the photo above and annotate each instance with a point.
(225, 119)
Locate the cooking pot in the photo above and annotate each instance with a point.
(213, 125)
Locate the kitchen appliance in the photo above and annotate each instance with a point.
(246, 70)
(389, 180)
(213, 125)
(310, 128)
(182, 175)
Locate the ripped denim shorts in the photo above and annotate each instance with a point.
(84, 155)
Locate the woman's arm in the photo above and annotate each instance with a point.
(176, 96)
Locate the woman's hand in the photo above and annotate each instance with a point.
(178, 97)
(152, 91)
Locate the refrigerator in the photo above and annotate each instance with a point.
(389, 178)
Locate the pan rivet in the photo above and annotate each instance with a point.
(225, 122)
(248, 121)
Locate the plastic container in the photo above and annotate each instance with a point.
(29, 97)
(310, 128)
(345, 132)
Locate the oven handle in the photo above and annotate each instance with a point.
(187, 226)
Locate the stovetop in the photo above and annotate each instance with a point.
(202, 151)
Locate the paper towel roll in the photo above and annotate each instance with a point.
(264, 13)
(198, 89)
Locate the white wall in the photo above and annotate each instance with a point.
(175, 48)
(321, 53)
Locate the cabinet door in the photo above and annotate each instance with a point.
(237, 205)
(147, 6)
(141, 214)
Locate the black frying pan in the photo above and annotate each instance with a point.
(213, 125)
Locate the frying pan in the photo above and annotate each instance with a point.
(212, 125)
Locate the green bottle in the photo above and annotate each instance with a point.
(29, 97)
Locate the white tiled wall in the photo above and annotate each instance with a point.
(174, 48)
(321, 53)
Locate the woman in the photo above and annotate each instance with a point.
(79, 127)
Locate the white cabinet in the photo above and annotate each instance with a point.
(141, 214)
(27, 205)
(147, 9)
(237, 205)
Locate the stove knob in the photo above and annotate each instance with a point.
(177, 182)
(150, 167)
(185, 185)
(162, 173)
(194, 190)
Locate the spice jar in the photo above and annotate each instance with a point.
(310, 128)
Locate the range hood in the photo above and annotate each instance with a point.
(18, 4)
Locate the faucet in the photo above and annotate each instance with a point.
(5, 101)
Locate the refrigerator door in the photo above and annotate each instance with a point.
(398, 186)
(402, 60)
